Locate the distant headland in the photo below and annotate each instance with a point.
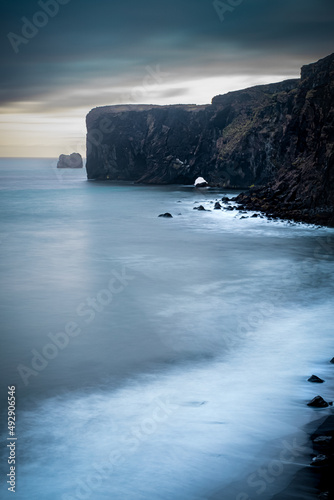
(276, 139)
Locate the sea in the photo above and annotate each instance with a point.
(156, 358)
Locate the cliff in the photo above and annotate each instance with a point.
(279, 136)
(303, 185)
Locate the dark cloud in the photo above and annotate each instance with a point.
(105, 45)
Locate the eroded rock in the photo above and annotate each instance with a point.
(73, 160)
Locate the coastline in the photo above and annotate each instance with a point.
(315, 481)
(276, 205)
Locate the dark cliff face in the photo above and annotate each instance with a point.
(153, 144)
(303, 186)
(280, 134)
(228, 142)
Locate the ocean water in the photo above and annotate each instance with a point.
(156, 359)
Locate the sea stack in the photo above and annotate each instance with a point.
(73, 160)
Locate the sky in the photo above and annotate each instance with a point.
(61, 58)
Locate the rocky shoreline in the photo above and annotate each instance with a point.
(264, 208)
(275, 203)
(315, 481)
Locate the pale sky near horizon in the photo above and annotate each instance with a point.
(61, 58)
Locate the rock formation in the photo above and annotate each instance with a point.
(73, 160)
(200, 182)
(278, 138)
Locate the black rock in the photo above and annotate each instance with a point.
(243, 217)
(315, 379)
(199, 208)
(225, 199)
(167, 215)
(323, 440)
(324, 495)
(318, 402)
(255, 215)
(319, 460)
(217, 205)
(332, 361)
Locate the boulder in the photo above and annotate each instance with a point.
(201, 208)
(315, 379)
(318, 402)
(200, 182)
(217, 206)
(73, 160)
(167, 215)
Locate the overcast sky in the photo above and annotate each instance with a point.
(60, 61)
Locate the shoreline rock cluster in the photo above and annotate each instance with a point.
(274, 202)
(320, 473)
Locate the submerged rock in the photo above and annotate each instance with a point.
(318, 402)
(73, 160)
(315, 379)
(167, 215)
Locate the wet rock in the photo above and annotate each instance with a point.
(217, 205)
(323, 440)
(255, 215)
(200, 182)
(225, 199)
(332, 361)
(319, 460)
(200, 208)
(318, 402)
(167, 215)
(315, 379)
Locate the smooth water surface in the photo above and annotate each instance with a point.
(153, 358)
